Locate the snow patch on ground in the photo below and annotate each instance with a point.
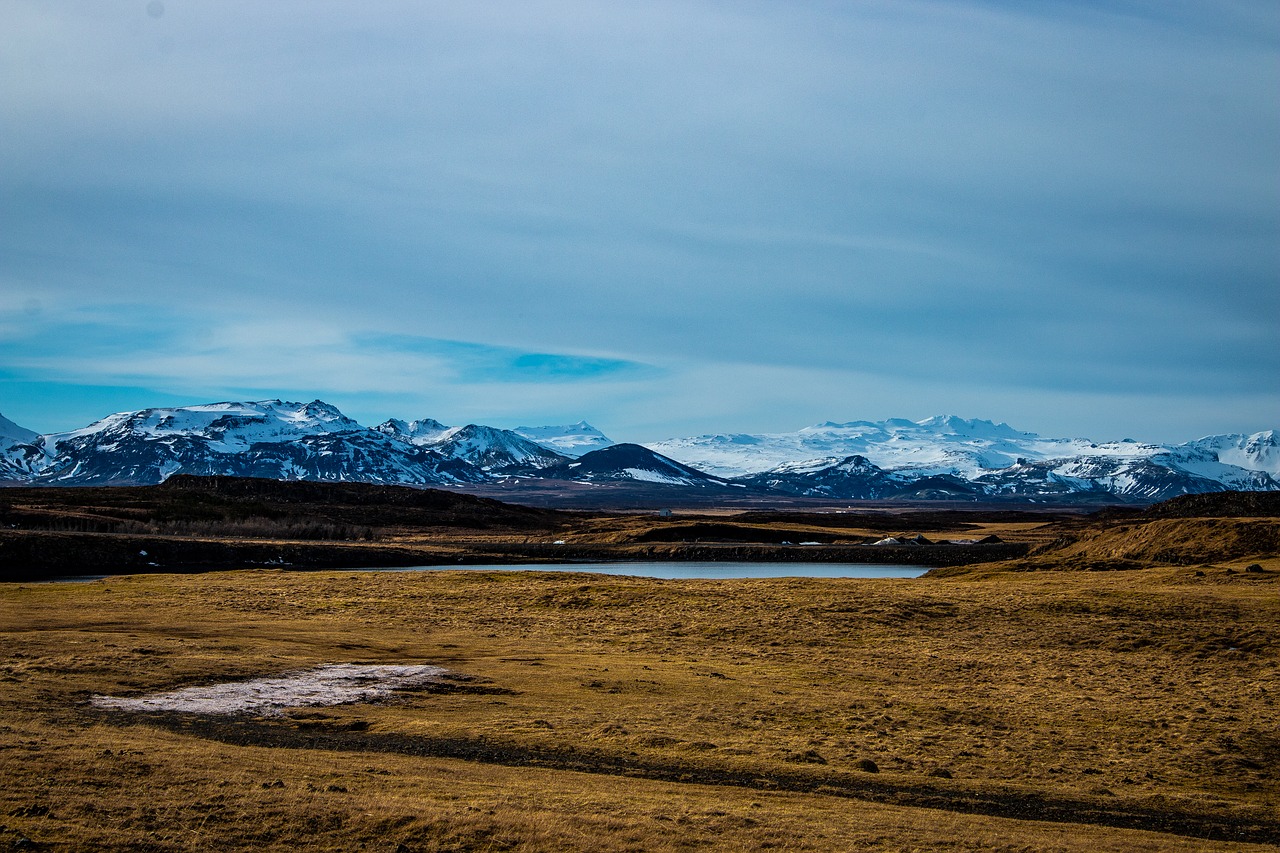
(646, 476)
(331, 684)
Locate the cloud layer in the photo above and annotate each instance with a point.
(666, 219)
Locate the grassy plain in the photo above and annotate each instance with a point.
(994, 710)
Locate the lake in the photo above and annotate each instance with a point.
(695, 570)
(665, 571)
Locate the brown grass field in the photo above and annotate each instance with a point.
(1010, 706)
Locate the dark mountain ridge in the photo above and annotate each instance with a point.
(629, 462)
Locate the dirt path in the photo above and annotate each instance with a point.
(948, 796)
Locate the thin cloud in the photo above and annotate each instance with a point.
(1006, 206)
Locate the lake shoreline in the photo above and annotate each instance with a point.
(668, 570)
(41, 555)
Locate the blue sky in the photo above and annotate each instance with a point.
(667, 218)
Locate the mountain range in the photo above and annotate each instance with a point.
(940, 458)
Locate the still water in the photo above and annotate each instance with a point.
(666, 571)
(709, 571)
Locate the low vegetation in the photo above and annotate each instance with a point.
(1008, 706)
(197, 523)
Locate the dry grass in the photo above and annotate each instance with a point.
(1149, 692)
(1181, 541)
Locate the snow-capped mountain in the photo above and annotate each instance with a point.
(938, 445)
(572, 440)
(227, 427)
(498, 450)
(941, 458)
(11, 434)
(853, 477)
(1257, 452)
(271, 438)
(996, 458)
(423, 432)
(19, 451)
(629, 462)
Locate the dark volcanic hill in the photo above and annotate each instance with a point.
(622, 462)
(1218, 505)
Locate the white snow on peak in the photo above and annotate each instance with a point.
(420, 432)
(1257, 452)
(229, 427)
(989, 452)
(936, 446)
(487, 446)
(972, 428)
(947, 444)
(570, 440)
(846, 464)
(21, 451)
(11, 434)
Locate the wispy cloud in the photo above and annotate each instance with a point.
(136, 351)
(613, 211)
(483, 363)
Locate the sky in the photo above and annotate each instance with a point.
(666, 218)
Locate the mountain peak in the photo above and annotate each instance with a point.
(629, 462)
(11, 433)
(424, 431)
(321, 409)
(970, 427)
(497, 450)
(569, 440)
(893, 458)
